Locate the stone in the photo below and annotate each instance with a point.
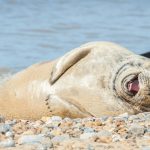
(41, 147)
(103, 137)
(56, 118)
(4, 128)
(87, 130)
(30, 139)
(9, 134)
(60, 138)
(7, 143)
(11, 122)
(145, 147)
(104, 133)
(45, 130)
(86, 136)
(116, 137)
(136, 129)
(133, 117)
(90, 147)
(103, 118)
(47, 142)
(56, 132)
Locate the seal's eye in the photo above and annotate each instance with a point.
(133, 86)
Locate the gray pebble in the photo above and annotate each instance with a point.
(103, 118)
(45, 130)
(53, 122)
(147, 117)
(47, 142)
(116, 138)
(145, 147)
(54, 119)
(30, 139)
(136, 129)
(133, 117)
(41, 147)
(77, 120)
(7, 143)
(147, 130)
(88, 130)
(60, 138)
(9, 134)
(90, 147)
(67, 119)
(4, 128)
(86, 136)
(11, 122)
(104, 133)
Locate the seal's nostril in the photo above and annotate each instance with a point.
(133, 86)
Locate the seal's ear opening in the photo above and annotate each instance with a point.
(67, 61)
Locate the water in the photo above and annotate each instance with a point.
(36, 30)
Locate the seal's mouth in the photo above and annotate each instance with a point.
(133, 85)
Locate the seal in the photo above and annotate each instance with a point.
(147, 54)
(95, 79)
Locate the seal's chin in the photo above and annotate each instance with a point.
(133, 86)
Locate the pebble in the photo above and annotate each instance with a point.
(87, 130)
(145, 147)
(60, 138)
(136, 129)
(116, 137)
(86, 136)
(41, 147)
(106, 132)
(54, 119)
(4, 128)
(9, 134)
(30, 139)
(47, 142)
(133, 117)
(7, 143)
(103, 137)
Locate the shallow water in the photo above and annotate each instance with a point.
(37, 30)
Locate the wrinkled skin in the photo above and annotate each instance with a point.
(98, 78)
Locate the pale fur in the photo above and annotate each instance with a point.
(79, 84)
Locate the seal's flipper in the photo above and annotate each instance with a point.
(67, 61)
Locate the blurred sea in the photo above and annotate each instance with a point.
(36, 30)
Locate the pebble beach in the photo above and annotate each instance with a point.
(123, 132)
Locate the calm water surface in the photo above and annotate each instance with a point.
(35, 30)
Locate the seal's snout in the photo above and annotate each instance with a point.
(133, 86)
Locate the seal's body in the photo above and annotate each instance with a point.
(98, 78)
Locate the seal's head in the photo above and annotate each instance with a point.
(132, 85)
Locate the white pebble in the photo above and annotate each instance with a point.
(30, 139)
(7, 143)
